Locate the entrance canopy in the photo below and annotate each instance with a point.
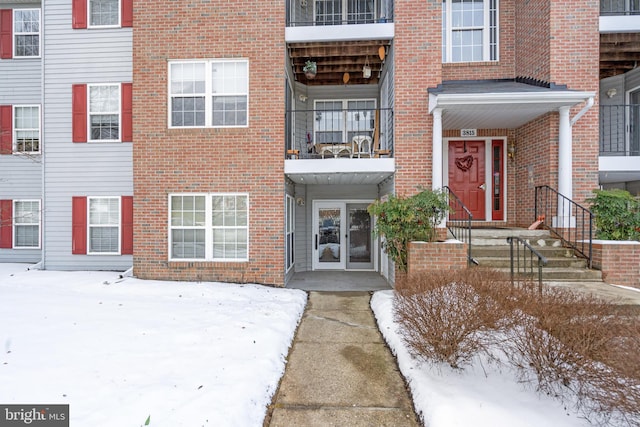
(498, 104)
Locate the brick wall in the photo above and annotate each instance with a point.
(619, 262)
(502, 69)
(418, 66)
(209, 160)
(532, 39)
(535, 163)
(574, 61)
(423, 256)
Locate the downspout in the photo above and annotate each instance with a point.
(582, 112)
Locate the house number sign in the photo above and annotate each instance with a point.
(468, 132)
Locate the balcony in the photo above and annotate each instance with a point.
(619, 160)
(305, 13)
(619, 7)
(356, 133)
(340, 146)
(619, 16)
(341, 36)
(620, 130)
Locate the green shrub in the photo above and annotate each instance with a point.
(401, 220)
(617, 215)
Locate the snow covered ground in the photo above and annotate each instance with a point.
(202, 354)
(118, 351)
(480, 396)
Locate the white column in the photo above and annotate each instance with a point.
(565, 168)
(436, 158)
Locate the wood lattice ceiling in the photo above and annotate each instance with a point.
(619, 53)
(336, 58)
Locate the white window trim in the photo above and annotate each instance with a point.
(289, 229)
(344, 111)
(486, 34)
(89, 139)
(208, 228)
(14, 34)
(208, 94)
(118, 25)
(15, 130)
(14, 225)
(89, 226)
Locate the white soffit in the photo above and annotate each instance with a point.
(505, 110)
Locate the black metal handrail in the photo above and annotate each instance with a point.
(301, 13)
(620, 130)
(566, 219)
(459, 221)
(525, 260)
(619, 7)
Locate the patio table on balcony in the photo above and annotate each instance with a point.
(335, 149)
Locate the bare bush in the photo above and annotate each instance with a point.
(579, 348)
(576, 347)
(445, 316)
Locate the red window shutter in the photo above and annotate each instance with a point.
(127, 112)
(127, 225)
(6, 40)
(6, 129)
(79, 14)
(127, 13)
(79, 226)
(6, 224)
(79, 113)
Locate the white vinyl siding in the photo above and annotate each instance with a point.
(104, 112)
(26, 224)
(103, 225)
(26, 33)
(104, 13)
(208, 93)
(209, 227)
(290, 224)
(469, 30)
(95, 169)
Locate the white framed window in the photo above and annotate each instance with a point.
(104, 13)
(209, 227)
(338, 121)
(103, 236)
(208, 93)
(469, 30)
(104, 112)
(26, 224)
(26, 129)
(290, 221)
(26, 33)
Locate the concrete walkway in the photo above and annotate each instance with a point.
(340, 371)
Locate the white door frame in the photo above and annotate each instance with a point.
(488, 170)
(343, 247)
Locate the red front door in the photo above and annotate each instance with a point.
(466, 174)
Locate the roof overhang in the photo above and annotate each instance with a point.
(493, 107)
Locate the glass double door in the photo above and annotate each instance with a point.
(342, 236)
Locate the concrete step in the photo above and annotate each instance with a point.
(504, 251)
(503, 233)
(564, 274)
(556, 262)
(502, 241)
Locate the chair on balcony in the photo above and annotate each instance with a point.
(362, 146)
